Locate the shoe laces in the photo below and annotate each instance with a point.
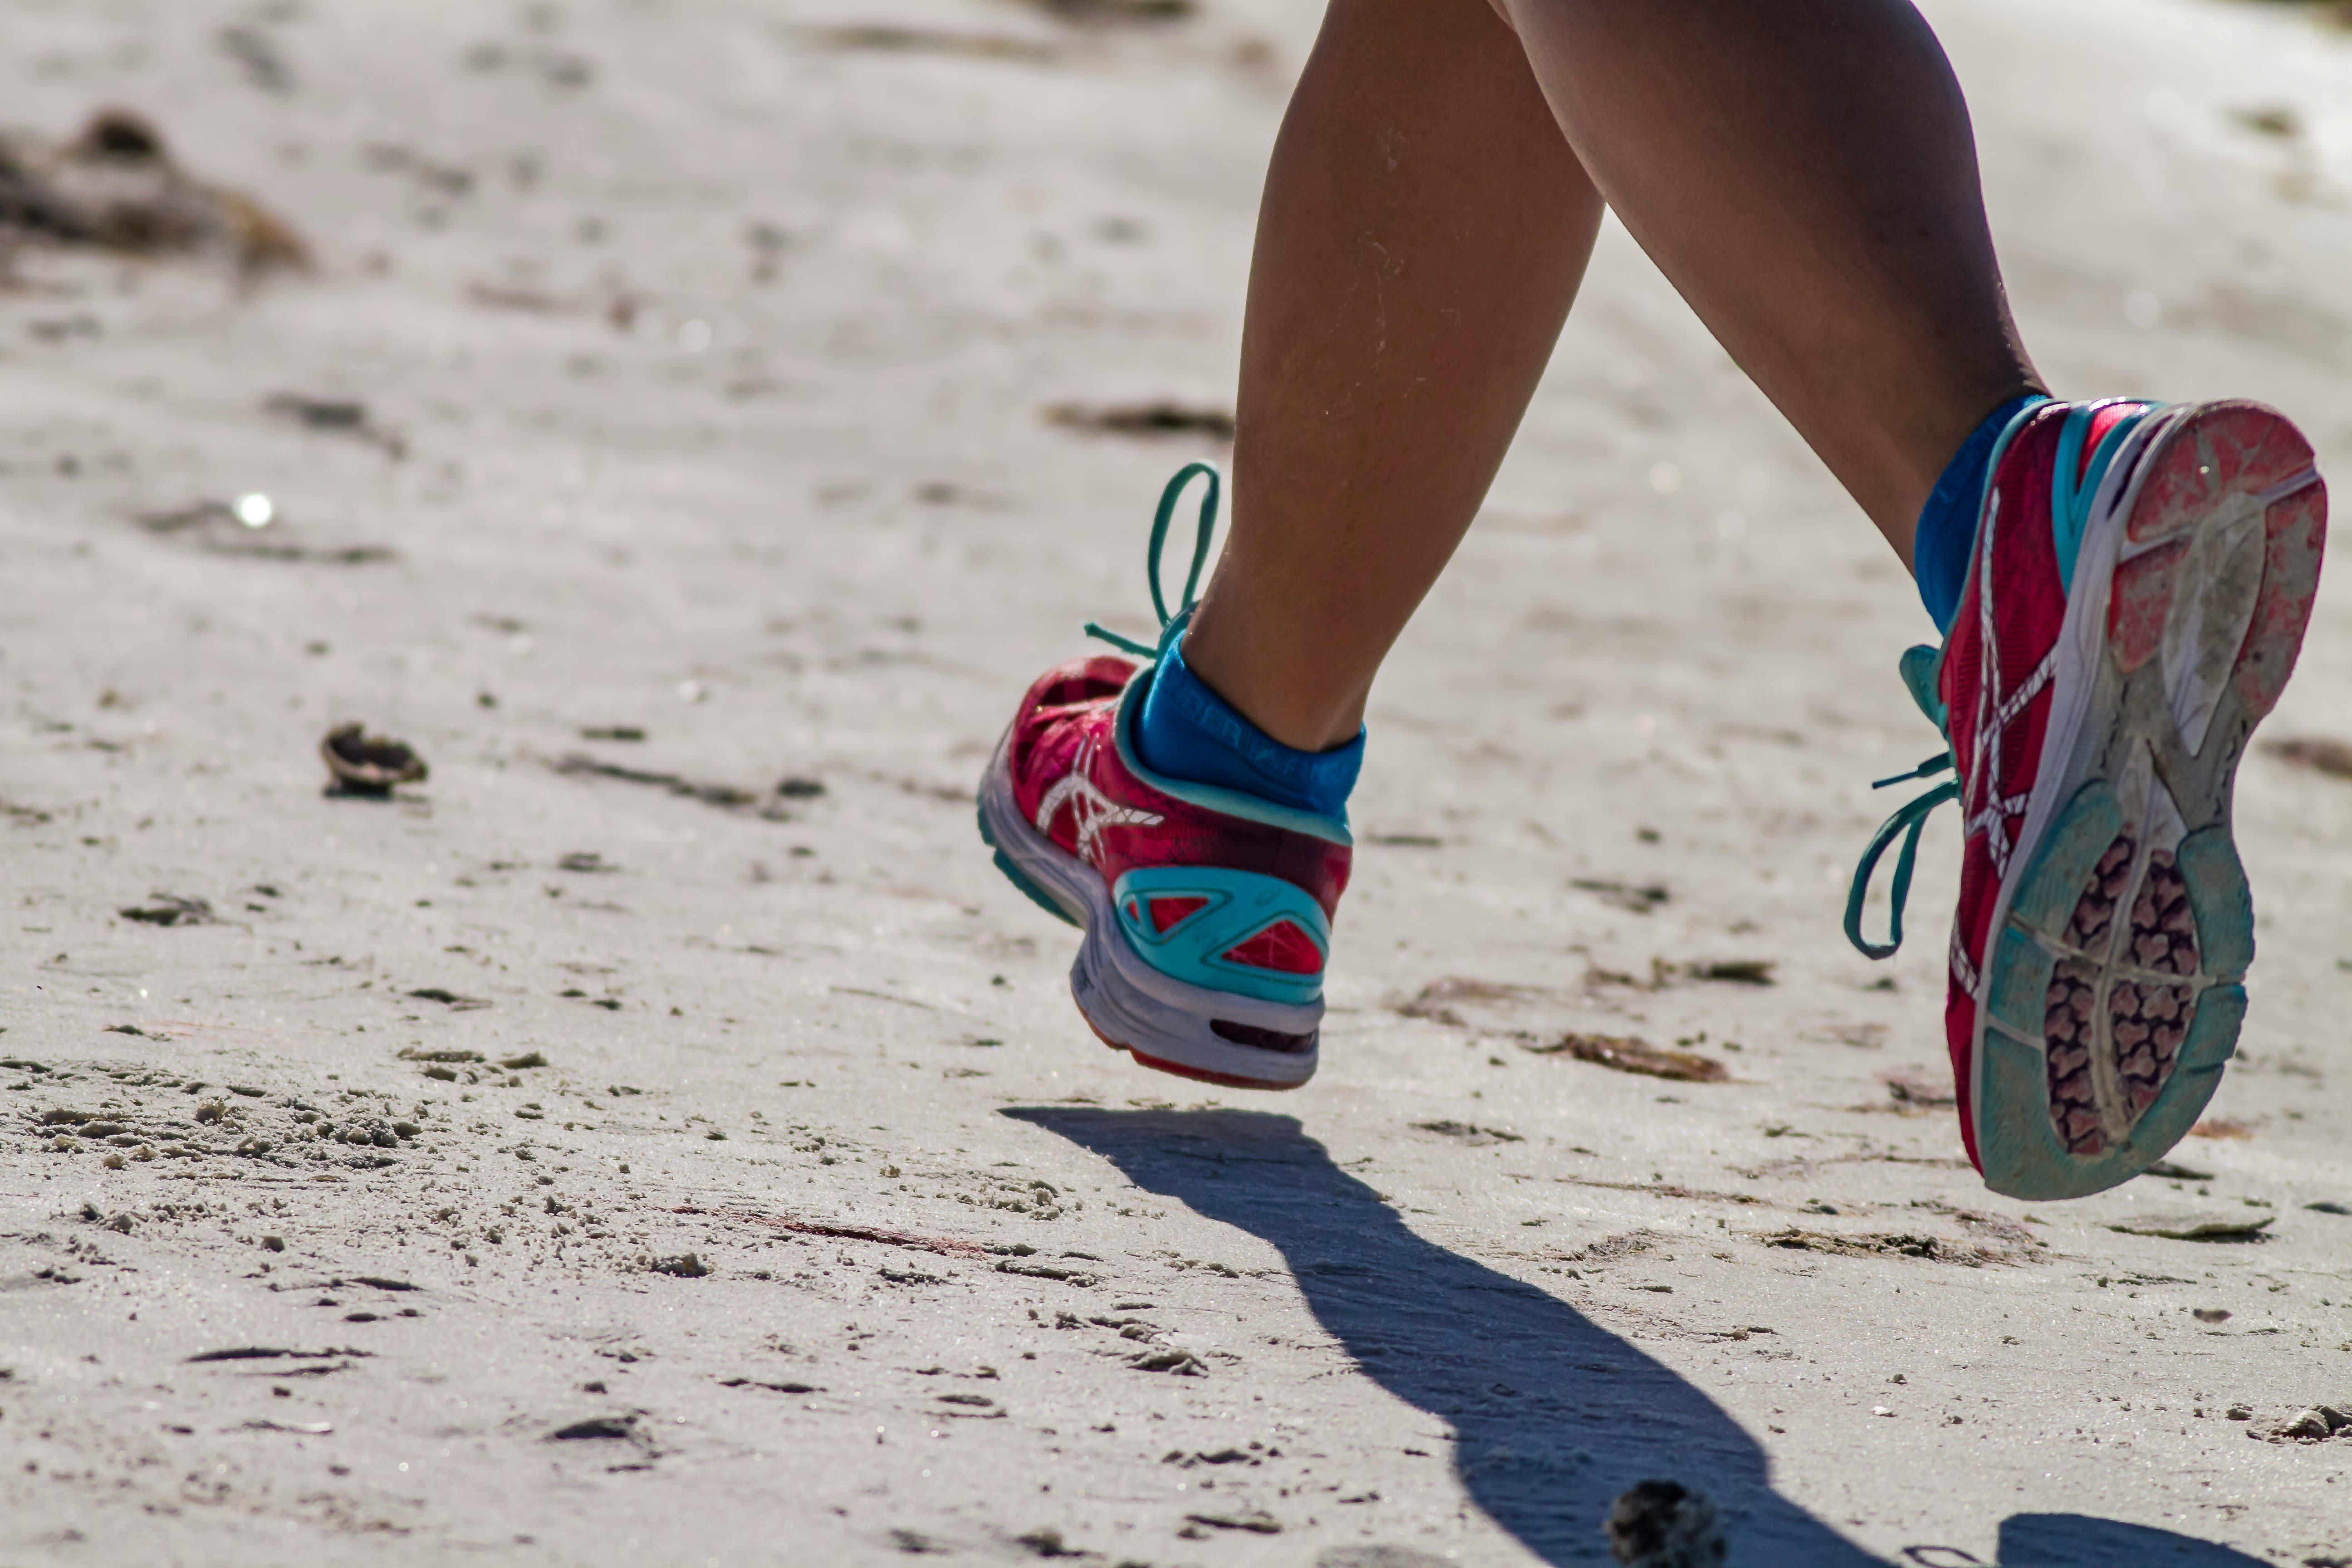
(1909, 819)
(1921, 678)
(1172, 626)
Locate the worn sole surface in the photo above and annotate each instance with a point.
(2113, 996)
(1162, 1022)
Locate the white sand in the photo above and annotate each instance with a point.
(1664, 659)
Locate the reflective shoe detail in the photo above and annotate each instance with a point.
(1281, 947)
(1167, 913)
(1207, 913)
(1226, 943)
(2110, 657)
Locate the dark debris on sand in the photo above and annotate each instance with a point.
(1433, 1002)
(1639, 899)
(727, 798)
(334, 416)
(2320, 754)
(215, 528)
(1467, 1132)
(364, 765)
(1158, 418)
(170, 910)
(887, 37)
(1626, 1054)
(115, 187)
(1099, 13)
(1665, 1524)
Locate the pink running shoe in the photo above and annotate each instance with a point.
(1207, 912)
(2141, 581)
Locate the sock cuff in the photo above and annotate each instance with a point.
(1947, 534)
(1188, 731)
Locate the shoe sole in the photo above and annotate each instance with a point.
(2122, 932)
(1163, 1023)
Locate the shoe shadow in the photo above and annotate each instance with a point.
(2072, 1540)
(1553, 1415)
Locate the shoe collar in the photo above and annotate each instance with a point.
(1217, 798)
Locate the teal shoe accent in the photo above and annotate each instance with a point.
(1013, 874)
(2021, 1152)
(1031, 891)
(1236, 906)
(1922, 666)
(2218, 900)
(2072, 497)
(2017, 422)
(2212, 1040)
(2073, 494)
(2018, 1000)
(2047, 895)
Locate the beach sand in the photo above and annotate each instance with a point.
(661, 1137)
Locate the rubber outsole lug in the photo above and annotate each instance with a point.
(2219, 900)
(2021, 1156)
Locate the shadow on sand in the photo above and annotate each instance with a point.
(1553, 1415)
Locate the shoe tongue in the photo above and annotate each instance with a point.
(1918, 666)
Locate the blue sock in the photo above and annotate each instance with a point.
(1948, 523)
(1188, 731)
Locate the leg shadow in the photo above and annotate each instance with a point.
(2071, 1541)
(1553, 1415)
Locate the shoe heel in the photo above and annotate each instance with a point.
(1193, 1031)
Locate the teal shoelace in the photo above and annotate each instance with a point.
(1907, 823)
(1172, 626)
(1918, 666)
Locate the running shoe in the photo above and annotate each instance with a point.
(2140, 583)
(1207, 912)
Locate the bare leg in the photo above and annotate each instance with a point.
(1802, 171)
(1423, 231)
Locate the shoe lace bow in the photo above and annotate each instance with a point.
(1172, 626)
(1909, 818)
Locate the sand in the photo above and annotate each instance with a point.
(607, 1152)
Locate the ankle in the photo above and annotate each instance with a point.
(1242, 673)
(1945, 537)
